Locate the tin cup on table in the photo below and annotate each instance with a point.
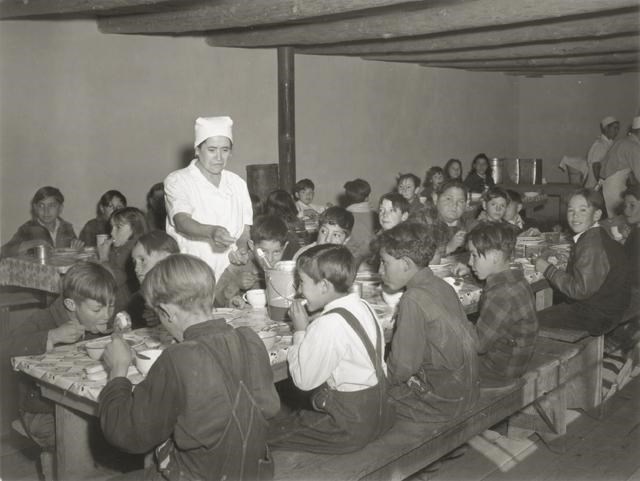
(42, 253)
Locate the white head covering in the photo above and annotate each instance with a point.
(607, 121)
(212, 126)
(635, 125)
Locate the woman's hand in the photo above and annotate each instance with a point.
(299, 315)
(117, 357)
(220, 239)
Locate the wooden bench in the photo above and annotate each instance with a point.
(561, 375)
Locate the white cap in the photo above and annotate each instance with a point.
(212, 126)
(635, 125)
(607, 121)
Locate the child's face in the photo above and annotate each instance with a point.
(314, 292)
(121, 232)
(407, 189)
(482, 265)
(273, 250)
(48, 210)
(451, 204)
(144, 261)
(437, 179)
(331, 234)
(632, 209)
(454, 170)
(481, 165)
(306, 196)
(580, 215)
(388, 216)
(495, 208)
(511, 212)
(114, 205)
(92, 314)
(394, 272)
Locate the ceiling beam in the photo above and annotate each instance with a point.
(30, 8)
(610, 59)
(621, 21)
(569, 70)
(421, 21)
(224, 14)
(627, 43)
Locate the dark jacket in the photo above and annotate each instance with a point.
(33, 230)
(477, 184)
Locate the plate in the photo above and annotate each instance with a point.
(531, 194)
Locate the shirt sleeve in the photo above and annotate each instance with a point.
(587, 274)
(137, 421)
(176, 195)
(494, 314)
(247, 206)
(408, 345)
(596, 153)
(316, 352)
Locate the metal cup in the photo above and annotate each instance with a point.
(42, 254)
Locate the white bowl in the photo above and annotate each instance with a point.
(269, 338)
(144, 365)
(96, 348)
(531, 194)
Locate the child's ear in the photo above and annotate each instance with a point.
(69, 304)
(597, 215)
(404, 216)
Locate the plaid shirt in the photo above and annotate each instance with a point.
(443, 233)
(507, 326)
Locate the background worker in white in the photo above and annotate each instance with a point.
(609, 128)
(208, 207)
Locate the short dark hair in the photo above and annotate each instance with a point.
(334, 263)
(413, 240)
(134, 217)
(303, 184)
(432, 172)
(180, 279)
(47, 191)
(107, 197)
(158, 241)
(356, 191)
(633, 190)
(279, 202)
(593, 197)
(514, 196)
(89, 280)
(413, 177)
(339, 216)
(490, 236)
(478, 157)
(269, 228)
(495, 193)
(397, 201)
(450, 184)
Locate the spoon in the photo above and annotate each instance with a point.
(142, 356)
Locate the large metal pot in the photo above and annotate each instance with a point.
(529, 171)
(497, 170)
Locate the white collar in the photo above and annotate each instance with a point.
(577, 236)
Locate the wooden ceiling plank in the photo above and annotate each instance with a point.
(437, 18)
(24, 8)
(225, 14)
(559, 70)
(626, 43)
(624, 21)
(535, 62)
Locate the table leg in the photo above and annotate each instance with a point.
(73, 449)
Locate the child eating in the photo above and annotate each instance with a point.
(433, 365)
(408, 186)
(508, 325)
(596, 282)
(304, 191)
(83, 310)
(46, 226)
(450, 227)
(342, 353)
(204, 403)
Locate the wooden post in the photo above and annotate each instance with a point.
(286, 118)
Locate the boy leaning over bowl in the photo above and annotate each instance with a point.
(204, 403)
(82, 311)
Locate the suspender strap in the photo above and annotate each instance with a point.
(238, 363)
(359, 330)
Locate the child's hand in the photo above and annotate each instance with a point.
(460, 270)
(239, 257)
(77, 244)
(541, 264)
(247, 280)
(67, 333)
(117, 357)
(104, 249)
(456, 241)
(237, 302)
(299, 315)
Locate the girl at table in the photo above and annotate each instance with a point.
(408, 186)
(109, 202)
(127, 225)
(204, 403)
(432, 181)
(453, 170)
(46, 226)
(479, 179)
(596, 281)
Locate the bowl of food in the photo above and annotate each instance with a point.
(146, 358)
(96, 348)
(269, 338)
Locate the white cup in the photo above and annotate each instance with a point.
(257, 298)
(100, 238)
